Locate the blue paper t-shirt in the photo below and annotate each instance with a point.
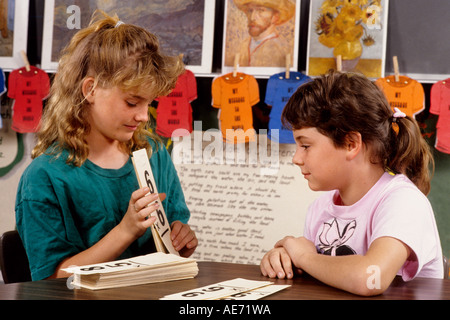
(279, 90)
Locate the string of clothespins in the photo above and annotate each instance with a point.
(394, 60)
(288, 65)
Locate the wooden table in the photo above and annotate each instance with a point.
(214, 272)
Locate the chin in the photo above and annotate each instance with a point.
(124, 138)
(315, 187)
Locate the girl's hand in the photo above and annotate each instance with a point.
(183, 238)
(277, 264)
(137, 219)
(296, 248)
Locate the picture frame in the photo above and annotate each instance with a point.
(364, 47)
(15, 26)
(238, 38)
(191, 35)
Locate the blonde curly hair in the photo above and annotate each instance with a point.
(115, 55)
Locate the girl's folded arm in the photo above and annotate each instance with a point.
(366, 275)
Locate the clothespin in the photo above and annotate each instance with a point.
(396, 72)
(288, 65)
(236, 64)
(339, 63)
(25, 60)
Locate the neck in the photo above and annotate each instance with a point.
(359, 183)
(106, 153)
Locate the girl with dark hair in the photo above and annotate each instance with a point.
(374, 221)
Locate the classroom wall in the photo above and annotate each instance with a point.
(416, 34)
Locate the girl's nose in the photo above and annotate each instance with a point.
(142, 114)
(297, 158)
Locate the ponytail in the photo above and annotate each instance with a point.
(340, 103)
(410, 153)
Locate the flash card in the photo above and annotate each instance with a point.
(257, 293)
(161, 228)
(231, 289)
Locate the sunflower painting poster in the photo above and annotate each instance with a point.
(355, 30)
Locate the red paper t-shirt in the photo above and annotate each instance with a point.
(28, 88)
(174, 110)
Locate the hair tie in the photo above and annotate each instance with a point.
(397, 114)
(118, 23)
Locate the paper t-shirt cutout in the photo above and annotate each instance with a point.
(235, 96)
(2, 91)
(174, 110)
(279, 90)
(28, 88)
(440, 105)
(407, 94)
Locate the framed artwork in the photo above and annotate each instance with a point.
(353, 32)
(182, 26)
(13, 33)
(261, 36)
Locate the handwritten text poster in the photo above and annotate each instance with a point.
(238, 211)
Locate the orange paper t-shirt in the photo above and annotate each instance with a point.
(235, 96)
(407, 94)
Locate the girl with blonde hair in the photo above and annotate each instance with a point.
(79, 201)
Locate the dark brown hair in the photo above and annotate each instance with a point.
(337, 104)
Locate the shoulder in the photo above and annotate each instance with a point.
(38, 180)
(400, 190)
(402, 205)
(47, 164)
(157, 148)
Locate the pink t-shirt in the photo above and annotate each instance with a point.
(393, 207)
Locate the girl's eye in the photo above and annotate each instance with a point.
(130, 104)
(305, 147)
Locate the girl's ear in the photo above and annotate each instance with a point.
(88, 89)
(353, 144)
